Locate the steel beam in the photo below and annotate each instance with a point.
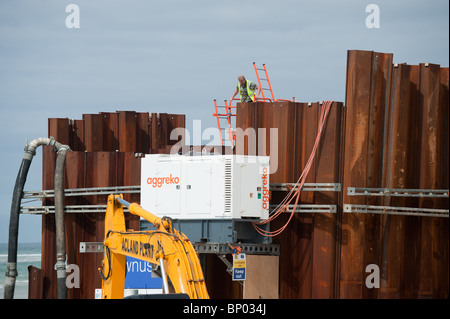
(391, 210)
(361, 191)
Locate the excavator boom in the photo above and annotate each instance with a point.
(165, 246)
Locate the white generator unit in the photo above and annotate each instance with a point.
(205, 187)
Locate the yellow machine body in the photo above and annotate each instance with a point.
(179, 258)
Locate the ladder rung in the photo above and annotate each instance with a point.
(260, 69)
(263, 79)
(266, 89)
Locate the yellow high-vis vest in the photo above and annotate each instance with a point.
(251, 93)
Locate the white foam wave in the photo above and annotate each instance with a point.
(22, 257)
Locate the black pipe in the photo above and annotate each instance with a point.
(11, 267)
(59, 225)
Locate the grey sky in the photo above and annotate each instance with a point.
(177, 56)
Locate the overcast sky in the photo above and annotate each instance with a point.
(178, 56)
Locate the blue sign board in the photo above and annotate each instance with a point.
(239, 266)
(239, 274)
(139, 275)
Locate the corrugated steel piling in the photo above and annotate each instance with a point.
(391, 133)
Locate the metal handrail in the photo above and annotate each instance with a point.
(135, 189)
(394, 210)
(399, 192)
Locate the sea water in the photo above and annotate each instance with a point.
(27, 254)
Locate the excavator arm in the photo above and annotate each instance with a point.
(165, 246)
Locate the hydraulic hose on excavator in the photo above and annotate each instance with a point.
(30, 151)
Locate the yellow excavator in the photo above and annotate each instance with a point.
(165, 246)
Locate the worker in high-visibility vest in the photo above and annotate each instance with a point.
(246, 89)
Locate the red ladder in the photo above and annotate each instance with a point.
(260, 85)
(228, 115)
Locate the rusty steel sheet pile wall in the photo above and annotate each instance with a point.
(396, 137)
(106, 151)
(391, 133)
(367, 93)
(301, 275)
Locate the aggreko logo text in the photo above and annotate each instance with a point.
(265, 198)
(160, 181)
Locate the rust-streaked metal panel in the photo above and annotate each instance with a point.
(399, 149)
(381, 71)
(160, 127)
(281, 117)
(93, 132)
(219, 282)
(430, 146)
(60, 128)
(396, 174)
(172, 121)
(48, 244)
(305, 136)
(101, 168)
(143, 136)
(127, 131)
(74, 178)
(301, 235)
(413, 234)
(409, 264)
(395, 121)
(324, 233)
(444, 107)
(245, 117)
(96, 161)
(355, 170)
(110, 132)
(76, 141)
(34, 283)
(129, 173)
(430, 176)
(443, 268)
(308, 243)
(387, 125)
(367, 96)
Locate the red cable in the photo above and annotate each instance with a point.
(296, 190)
